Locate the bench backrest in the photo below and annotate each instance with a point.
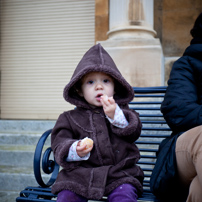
(147, 103)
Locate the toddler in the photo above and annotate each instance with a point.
(107, 165)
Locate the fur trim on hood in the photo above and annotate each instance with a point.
(96, 59)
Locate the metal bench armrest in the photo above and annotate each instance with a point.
(48, 166)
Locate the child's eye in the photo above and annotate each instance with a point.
(106, 81)
(90, 82)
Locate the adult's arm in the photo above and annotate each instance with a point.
(181, 106)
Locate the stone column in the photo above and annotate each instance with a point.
(132, 43)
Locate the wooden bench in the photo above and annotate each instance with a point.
(147, 102)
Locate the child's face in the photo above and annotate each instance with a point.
(96, 84)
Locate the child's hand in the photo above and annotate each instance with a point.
(109, 105)
(82, 150)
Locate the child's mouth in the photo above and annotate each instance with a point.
(98, 97)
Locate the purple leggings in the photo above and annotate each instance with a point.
(123, 193)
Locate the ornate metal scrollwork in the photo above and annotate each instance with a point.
(48, 166)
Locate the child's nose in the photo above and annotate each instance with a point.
(99, 86)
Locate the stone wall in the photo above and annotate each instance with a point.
(173, 21)
(101, 19)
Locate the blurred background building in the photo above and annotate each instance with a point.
(43, 40)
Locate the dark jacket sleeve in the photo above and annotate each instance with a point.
(131, 132)
(61, 140)
(181, 107)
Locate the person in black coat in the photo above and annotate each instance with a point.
(182, 110)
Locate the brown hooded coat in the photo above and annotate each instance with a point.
(114, 156)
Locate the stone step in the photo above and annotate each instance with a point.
(17, 155)
(25, 126)
(18, 178)
(8, 196)
(18, 140)
(16, 170)
(21, 139)
(16, 182)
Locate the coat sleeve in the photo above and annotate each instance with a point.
(62, 138)
(181, 107)
(131, 132)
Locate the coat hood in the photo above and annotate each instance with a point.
(96, 59)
